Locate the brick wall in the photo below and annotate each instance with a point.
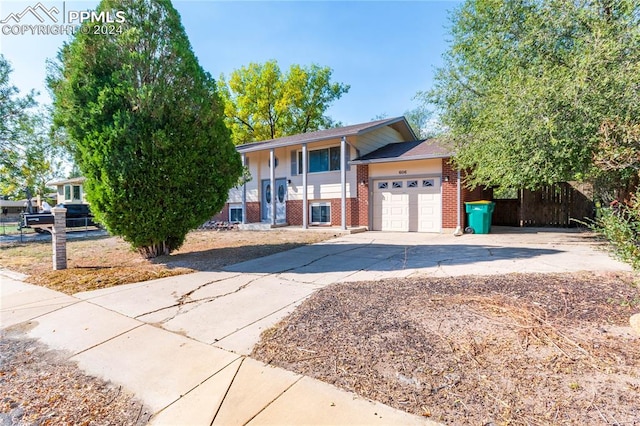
(253, 213)
(361, 214)
(294, 212)
(450, 196)
(223, 215)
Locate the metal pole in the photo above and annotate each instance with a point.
(272, 176)
(343, 182)
(244, 191)
(305, 197)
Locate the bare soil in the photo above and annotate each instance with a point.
(530, 349)
(108, 261)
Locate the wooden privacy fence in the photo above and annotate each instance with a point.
(554, 205)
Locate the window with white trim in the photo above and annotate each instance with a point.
(320, 213)
(235, 213)
(321, 160)
(72, 193)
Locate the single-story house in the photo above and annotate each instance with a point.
(69, 191)
(375, 175)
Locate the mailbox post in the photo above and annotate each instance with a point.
(59, 238)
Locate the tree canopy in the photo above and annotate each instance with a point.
(541, 91)
(261, 102)
(28, 158)
(145, 124)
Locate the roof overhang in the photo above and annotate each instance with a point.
(399, 159)
(76, 180)
(399, 123)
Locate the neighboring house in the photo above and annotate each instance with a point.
(69, 191)
(374, 175)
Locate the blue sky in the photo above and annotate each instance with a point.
(385, 50)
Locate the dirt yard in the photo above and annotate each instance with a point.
(107, 261)
(516, 349)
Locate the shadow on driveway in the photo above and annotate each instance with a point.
(347, 257)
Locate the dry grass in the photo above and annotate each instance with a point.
(108, 261)
(518, 349)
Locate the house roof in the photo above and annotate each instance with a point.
(399, 123)
(404, 151)
(67, 181)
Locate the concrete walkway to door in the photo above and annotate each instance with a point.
(180, 343)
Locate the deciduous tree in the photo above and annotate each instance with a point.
(263, 103)
(145, 124)
(529, 84)
(28, 158)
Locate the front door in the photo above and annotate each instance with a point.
(279, 196)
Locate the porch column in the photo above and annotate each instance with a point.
(272, 177)
(305, 200)
(244, 191)
(343, 182)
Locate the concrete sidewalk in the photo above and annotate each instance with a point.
(182, 381)
(181, 343)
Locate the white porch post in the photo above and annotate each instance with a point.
(305, 200)
(343, 182)
(272, 176)
(244, 191)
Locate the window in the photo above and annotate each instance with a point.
(412, 184)
(235, 214)
(76, 192)
(427, 183)
(321, 160)
(397, 184)
(67, 192)
(383, 185)
(320, 213)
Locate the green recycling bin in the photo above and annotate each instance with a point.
(479, 216)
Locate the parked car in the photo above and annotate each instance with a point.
(78, 215)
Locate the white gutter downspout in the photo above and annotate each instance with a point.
(458, 232)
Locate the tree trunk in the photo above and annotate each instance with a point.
(155, 250)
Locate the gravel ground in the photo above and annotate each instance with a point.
(39, 386)
(535, 349)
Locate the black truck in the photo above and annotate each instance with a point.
(78, 215)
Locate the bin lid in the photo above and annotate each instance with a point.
(478, 202)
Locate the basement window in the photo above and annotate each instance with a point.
(235, 214)
(320, 213)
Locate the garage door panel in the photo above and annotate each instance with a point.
(411, 207)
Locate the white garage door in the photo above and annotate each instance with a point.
(407, 205)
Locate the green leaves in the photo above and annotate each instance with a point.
(528, 85)
(261, 103)
(146, 127)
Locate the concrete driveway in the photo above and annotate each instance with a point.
(230, 308)
(179, 343)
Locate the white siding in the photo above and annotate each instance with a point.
(378, 138)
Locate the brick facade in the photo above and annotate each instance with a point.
(294, 212)
(253, 213)
(358, 208)
(450, 196)
(223, 215)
